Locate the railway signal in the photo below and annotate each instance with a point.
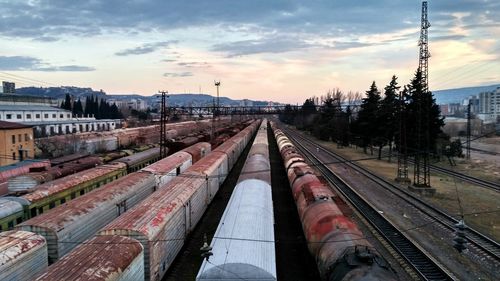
(459, 242)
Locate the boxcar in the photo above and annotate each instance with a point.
(102, 258)
(24, 255)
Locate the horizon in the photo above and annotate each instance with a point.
(279, 51)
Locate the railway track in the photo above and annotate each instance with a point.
(484, 183)
(422, 263)
(488, 246)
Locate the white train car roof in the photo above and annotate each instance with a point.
(9, 207)
(243, 247)
(24, 255)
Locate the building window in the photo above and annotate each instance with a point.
(26, 137)
(45, 115)
(28, 116)
(13, 155)
(54, 115)
(13, 139)
(9, 116)
(61, 115)
(37, 116)
(68, 115)
(19, 116)
(19, 139)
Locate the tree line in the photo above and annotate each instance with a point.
(100, 109)
(408, 115)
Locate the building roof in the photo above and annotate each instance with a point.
(4, 125)
(17, 107)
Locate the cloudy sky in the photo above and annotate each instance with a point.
(277, 50)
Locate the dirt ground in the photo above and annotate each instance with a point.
(479, 205)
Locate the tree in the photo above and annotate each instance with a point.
(77, 107)
(424, 120)
(67, 102)
(304, 121)
(288, 115)
(389, 115)
(366, 126)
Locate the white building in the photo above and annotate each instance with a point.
(489, 105)
(49, 120)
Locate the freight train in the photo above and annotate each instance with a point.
(59, 191)
(160, 223)
(84, 216)
(338, 246)
(95, 142)
(54, 193)
(243, 244)
(67, 165)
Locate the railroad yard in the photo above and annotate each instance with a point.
(479, 204)
(330, 213)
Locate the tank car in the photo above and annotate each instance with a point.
(339, 247)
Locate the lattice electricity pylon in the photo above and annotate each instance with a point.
(421, 176)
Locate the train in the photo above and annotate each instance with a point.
(334, 240)
(65, 165)
(81, 218)
(243, 244)
(160, 223)
(96, 142)
(23, 246)
(19, 168)
(54, 193)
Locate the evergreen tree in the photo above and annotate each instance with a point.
(87, 106)
(366, 126)
(424, 121)
(303, 121)
(77, 107)
(288, 115)
(115, 112)
(389, 115)
(67, 102)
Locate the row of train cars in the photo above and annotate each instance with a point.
(136, 200)
(134, 227)
(50, 184)
(93, 142)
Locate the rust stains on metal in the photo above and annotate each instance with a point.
(47, 189)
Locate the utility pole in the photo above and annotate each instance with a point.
(163, 123)
(421, 176)
(468, 130)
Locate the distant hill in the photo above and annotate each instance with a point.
(459, 94)
(186, 99)
(59, 92)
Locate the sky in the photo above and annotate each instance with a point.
(283, 51)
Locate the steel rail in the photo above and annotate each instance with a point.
(489, 246)
(422, 263)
